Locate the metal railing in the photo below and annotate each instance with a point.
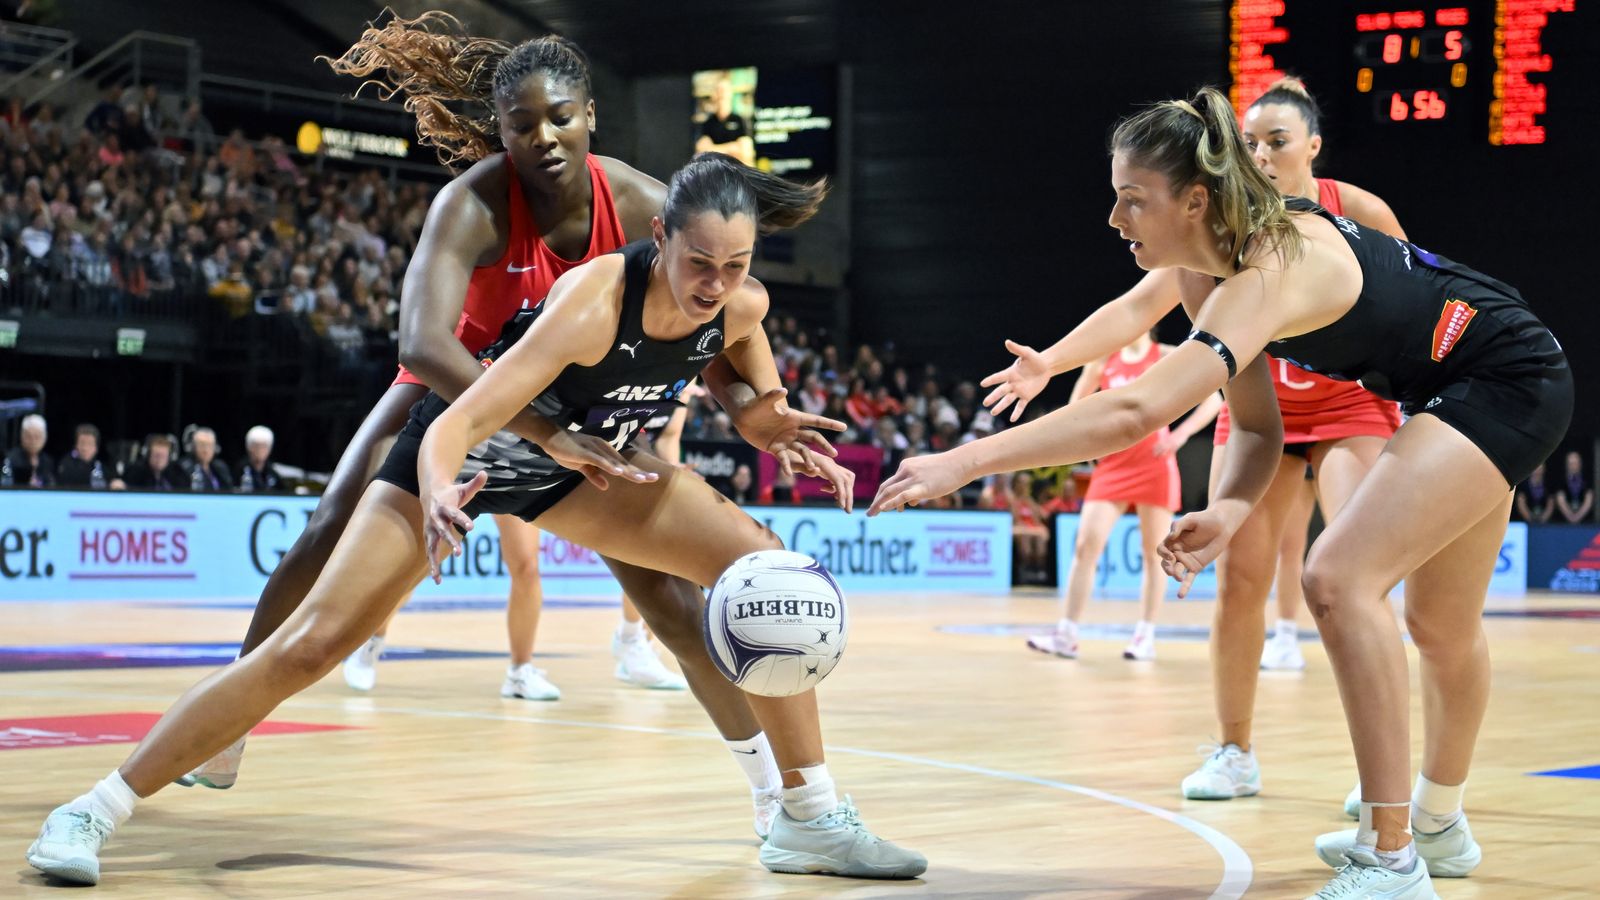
(34, 291)
(266, 95)
(138, 58)
(32, 50)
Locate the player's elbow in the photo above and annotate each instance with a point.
(1135, 417)
(420, 355)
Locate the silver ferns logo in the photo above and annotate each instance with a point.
(704, 349)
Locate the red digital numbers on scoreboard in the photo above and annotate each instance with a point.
(1253, 32)
(1420, 106)
(1518, 51)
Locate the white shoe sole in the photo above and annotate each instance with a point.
(513, 695)
(215, 782)
(670, 684)
(1243, 790)
(791, 862)
(1056, 653)
(1448, 867)
(76, 871)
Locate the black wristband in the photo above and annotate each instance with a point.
(1215, 343)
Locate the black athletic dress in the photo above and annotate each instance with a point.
(1448, 341)
(639, 379)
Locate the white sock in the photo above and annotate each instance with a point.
(1143, 629)
(1399, 860)
(813, 798)
(1435, 807)
(111, 798)
(755, 759)
(1067, 626)
(1288, 628)
(630, 631)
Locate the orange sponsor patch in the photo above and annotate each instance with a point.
(1453, 322)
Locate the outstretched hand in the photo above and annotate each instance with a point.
(918, 479)
(442, 519)
(768, 423)
(841, 482)
(593, 458)
(1015, 385)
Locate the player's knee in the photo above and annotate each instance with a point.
(1441, 640)
(312, 652)
(1327, 584)
(1085, 550)
(523, 570)
(672, 608)
(1242, 589)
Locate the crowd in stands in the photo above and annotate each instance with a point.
(154, 465)
(142, 202)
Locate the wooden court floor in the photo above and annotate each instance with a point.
(1017, 774)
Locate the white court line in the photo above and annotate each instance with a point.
(1237, 869)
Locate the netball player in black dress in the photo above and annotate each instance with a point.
(1489, 394)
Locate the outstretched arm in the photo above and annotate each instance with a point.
(1190, 426)
(1237, 313)
(1107, 330)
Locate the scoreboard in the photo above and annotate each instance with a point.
(1500, 71)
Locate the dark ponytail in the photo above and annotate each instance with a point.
(716, 182)
(450, 78)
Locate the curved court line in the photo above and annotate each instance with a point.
(1237, 869)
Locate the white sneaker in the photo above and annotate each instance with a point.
(836, 843)
(1282, 652)
(1228, 772)
(220, 771)
(638, 665)
(1142, 648)
(1451, 853)
(527, 683)
(1364, 876)
(1352, 802)
(361, 667)
(768, 804)
(69, 843)
(1061, 642)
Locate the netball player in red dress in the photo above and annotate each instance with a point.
(1338, 428)
(1143, 477)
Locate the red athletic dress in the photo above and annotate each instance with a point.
(522, 276)
(1317, 408)
(1135, 475)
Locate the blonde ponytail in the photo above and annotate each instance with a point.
(1197, 141)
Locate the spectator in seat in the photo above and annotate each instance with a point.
(27, 465)
(1576, 498)
(1535, 503)
(83, 467)
(207, 473)
(155, 472)
(257, 474)
(1029, 535)
(741, 487)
